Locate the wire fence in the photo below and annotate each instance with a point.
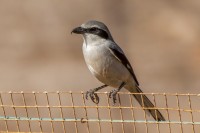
(69, 112)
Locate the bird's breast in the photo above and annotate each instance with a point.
(97, 59)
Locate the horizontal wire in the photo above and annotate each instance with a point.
(110, 107)
(82, 92)
(83, 120)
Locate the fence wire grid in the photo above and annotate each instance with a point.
(70, 112)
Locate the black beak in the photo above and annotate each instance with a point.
(78, 30)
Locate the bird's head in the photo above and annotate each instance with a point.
(93, 30)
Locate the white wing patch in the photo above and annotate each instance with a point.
(128, 66)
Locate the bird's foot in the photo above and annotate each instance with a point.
(94, 97)
(91, 93)
(113, 95)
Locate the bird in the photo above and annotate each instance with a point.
(108, 63)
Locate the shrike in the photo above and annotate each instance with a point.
(108, 63)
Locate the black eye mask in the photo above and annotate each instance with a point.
(97, 31)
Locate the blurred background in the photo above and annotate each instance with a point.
(160, 38)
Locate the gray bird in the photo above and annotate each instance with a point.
(108, 63)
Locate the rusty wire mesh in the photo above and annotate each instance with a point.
(69, 112)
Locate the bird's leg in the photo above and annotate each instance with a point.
(91, 93)
(113, 93)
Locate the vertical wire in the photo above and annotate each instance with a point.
(26, 110)
(121, 114)
(61, 111)
(4, 113)
(190, 104)
(132, 112)
(88, 129)
(144, 111)
(179, 112)
(17, 122)
(49, 110)
(157, 124)
(72, 102)
(110, 114)
(99, 124)
(38, 114)
(166, 103)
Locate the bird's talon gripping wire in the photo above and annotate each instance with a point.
(93, 96)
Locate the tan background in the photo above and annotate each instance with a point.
(160, 38)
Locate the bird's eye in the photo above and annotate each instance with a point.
(93, 29)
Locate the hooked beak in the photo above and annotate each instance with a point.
(78, 30)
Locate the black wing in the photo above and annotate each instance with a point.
(122, 58)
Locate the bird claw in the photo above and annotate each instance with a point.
(113, 95)
(94, 97)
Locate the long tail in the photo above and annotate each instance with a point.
(148, 104)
